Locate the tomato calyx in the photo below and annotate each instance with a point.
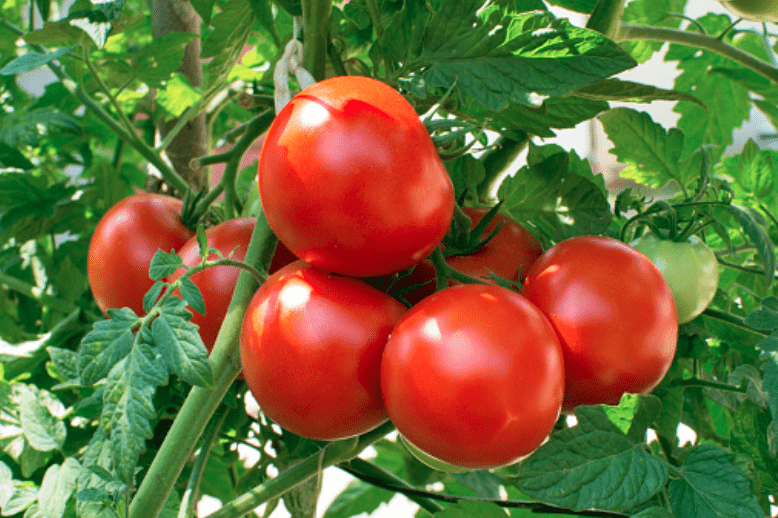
(462, 240)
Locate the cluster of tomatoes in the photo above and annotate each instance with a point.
(475, 375)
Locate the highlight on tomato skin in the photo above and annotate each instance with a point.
(614, 314)
(378, 198)
(473, 376)
(311, 347)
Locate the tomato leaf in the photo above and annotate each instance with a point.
(108, 343)
(58, 485)
(162, 57)
(43, 430)
(552, 197)
(653, 153)
(592, 465)
(180, 344)
(231, 29)
(468, 509)
(634, 414)
(191, 294)
(12, 157)
(164, 264)
(152, 295)
(758, 237)
(15, 495)
(613, 89)
(496, 61)
(33, 60)
(128, 406)
(709, 484)
(358, 497)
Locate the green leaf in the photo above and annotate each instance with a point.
(57, 34)
(15, 495)
(65, 361)
(164, 264)
(128, 406)
(653, 153)
(33, 60)
(554, 198)
(358, 497)
(592, 465)
(152, 295)
(177, 96)
(708, 484)
(43, 431)
(103, 347)
(498, 61)
(162, 57)
(58, 485)
(27, 127)
(293, 7)
(11, 157)
(579, 6)
(191, 295)
(180, 344)
(92, 486)
(759, 237)
(231, 29)
(613, 89)
(634, 414)
(204, 8)
(467, 509)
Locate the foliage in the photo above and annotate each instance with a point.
(87, 404)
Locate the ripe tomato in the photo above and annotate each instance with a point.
(757, 10)
(511, 250)
(473, 376)
(216, 284)
(124, 241)
(613, 312)
(689, 267)
(311, 346)
(350, 180)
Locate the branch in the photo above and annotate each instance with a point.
(629, 32)
(606, 17)
(316, 31)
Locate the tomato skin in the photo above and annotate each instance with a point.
(125, 240)
(689, 267)
(512, 250)
(311, 346)
(614, 314)
(473, 376)
(756, 10)
(350, 179)
(429, 460)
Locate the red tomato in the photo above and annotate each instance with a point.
(614, 314)
(350, 180)
(473, 376)
(511, 250)
(125, 240)
(311, 346)
(217, 283)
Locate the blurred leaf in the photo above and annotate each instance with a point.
(358, 497)
(58, 485)
(225, 42)
(177, 96)
(592, 465)
(32, 60)
(579, 6)
(710, 485)
(43, 431)
(11, 157)
(162, 57)
(26, 128)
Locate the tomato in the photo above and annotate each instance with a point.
(311, 346)
(757, 10)
(613, 312)
(512, 250)
(350, 179)
(125, 240)
(473, 376)
(217, 283)
(690, 268)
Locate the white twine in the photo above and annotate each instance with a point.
(290, 63)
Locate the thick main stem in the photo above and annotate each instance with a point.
(606, 17)
(316, 32)
(202, 402)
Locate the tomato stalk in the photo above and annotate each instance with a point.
(445, 273)
(333, 453)
(316, 30)
(202, 402)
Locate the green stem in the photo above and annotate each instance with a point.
(333, 453)
(445, 273)
(733, 320)
(629, 32)
(496, 163)
(316, 31)
(373, 474)
(735, 266)
(606, 17)
(202, 402)
(189, 503)
(188, 115)
(125, 121)
(696, 382)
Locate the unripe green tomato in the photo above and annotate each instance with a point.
(756, 10)
(430, 461)
(690, 269)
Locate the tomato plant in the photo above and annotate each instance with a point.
(473, 376)
(123, 243)
(614, 314)
(757, 10)
(690, 268)
(378, 199)
(311, 346)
